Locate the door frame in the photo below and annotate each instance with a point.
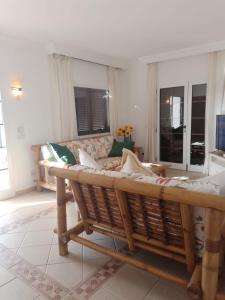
(192, 168)
(8, 193)
(183, 165)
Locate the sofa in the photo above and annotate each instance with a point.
(97, 147)
(147, 215)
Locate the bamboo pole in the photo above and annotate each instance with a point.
(194, 286)
(122, 201)
(37, 156)
(130, 260)
(211, 255)
(159, 244)
(77, 229)
(161, 252)
(79, 198)
(61, 215)
(188, 230)
(173, 194)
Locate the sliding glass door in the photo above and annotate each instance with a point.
(196, 120)
(171, 122)
(182, 126)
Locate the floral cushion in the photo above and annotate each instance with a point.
(96, 147)
(109, 163)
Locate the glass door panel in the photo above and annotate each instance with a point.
(197, 141)
(4, 171)
(171, 124)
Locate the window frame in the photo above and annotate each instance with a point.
(92, 131)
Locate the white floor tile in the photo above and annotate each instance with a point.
(37, 255)
(38, 238)
(68, 274)
(130, 283)
(102, 294)
(12, 240)
(75, 254)
(43, 224)
(92, 254)
(17, 290)
(90, 266)
(40, 297)
(165, 290)
(23, 228)
(5, 276)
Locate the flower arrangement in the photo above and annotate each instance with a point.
(125, 131)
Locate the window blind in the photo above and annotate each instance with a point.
(91, 110)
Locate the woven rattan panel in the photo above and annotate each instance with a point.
(155, 218)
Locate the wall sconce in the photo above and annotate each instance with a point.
(17, 91)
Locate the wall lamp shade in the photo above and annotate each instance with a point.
(17, 91)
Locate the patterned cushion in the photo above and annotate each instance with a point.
(96, 147)
(109, 163)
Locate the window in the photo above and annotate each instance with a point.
(92, 110)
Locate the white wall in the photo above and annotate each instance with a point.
(26, 62)
(180, 71)
(183, 70)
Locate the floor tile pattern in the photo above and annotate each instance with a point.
(31, 268)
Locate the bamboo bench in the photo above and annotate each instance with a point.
(149, 217)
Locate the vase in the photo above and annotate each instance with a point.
(127, 139)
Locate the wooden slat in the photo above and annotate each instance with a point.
(211, 255)
(188, 231)
(79, 198)
(122, 200)
(61, 215)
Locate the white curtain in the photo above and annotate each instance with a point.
(62, 97)
(113, 80)
(150, 149)
(215, 99)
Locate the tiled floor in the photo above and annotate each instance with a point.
(31, 268)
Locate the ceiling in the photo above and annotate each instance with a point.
(121, 28)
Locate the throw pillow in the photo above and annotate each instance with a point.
(118, 147)
(62, 153)
(217, 179)
(87, 161)
(131, 164)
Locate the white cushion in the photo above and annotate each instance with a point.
(218, 179)
(86, 160)
(131, 164)
(195, 185)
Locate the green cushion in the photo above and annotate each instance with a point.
(117, 148)
(63, 153)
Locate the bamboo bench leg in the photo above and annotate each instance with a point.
(211, 256)
(61, 216)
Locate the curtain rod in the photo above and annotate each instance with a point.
(89, 61)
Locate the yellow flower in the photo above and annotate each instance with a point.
(119, 131)
(127, 133)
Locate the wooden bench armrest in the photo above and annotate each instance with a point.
(47, 163)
